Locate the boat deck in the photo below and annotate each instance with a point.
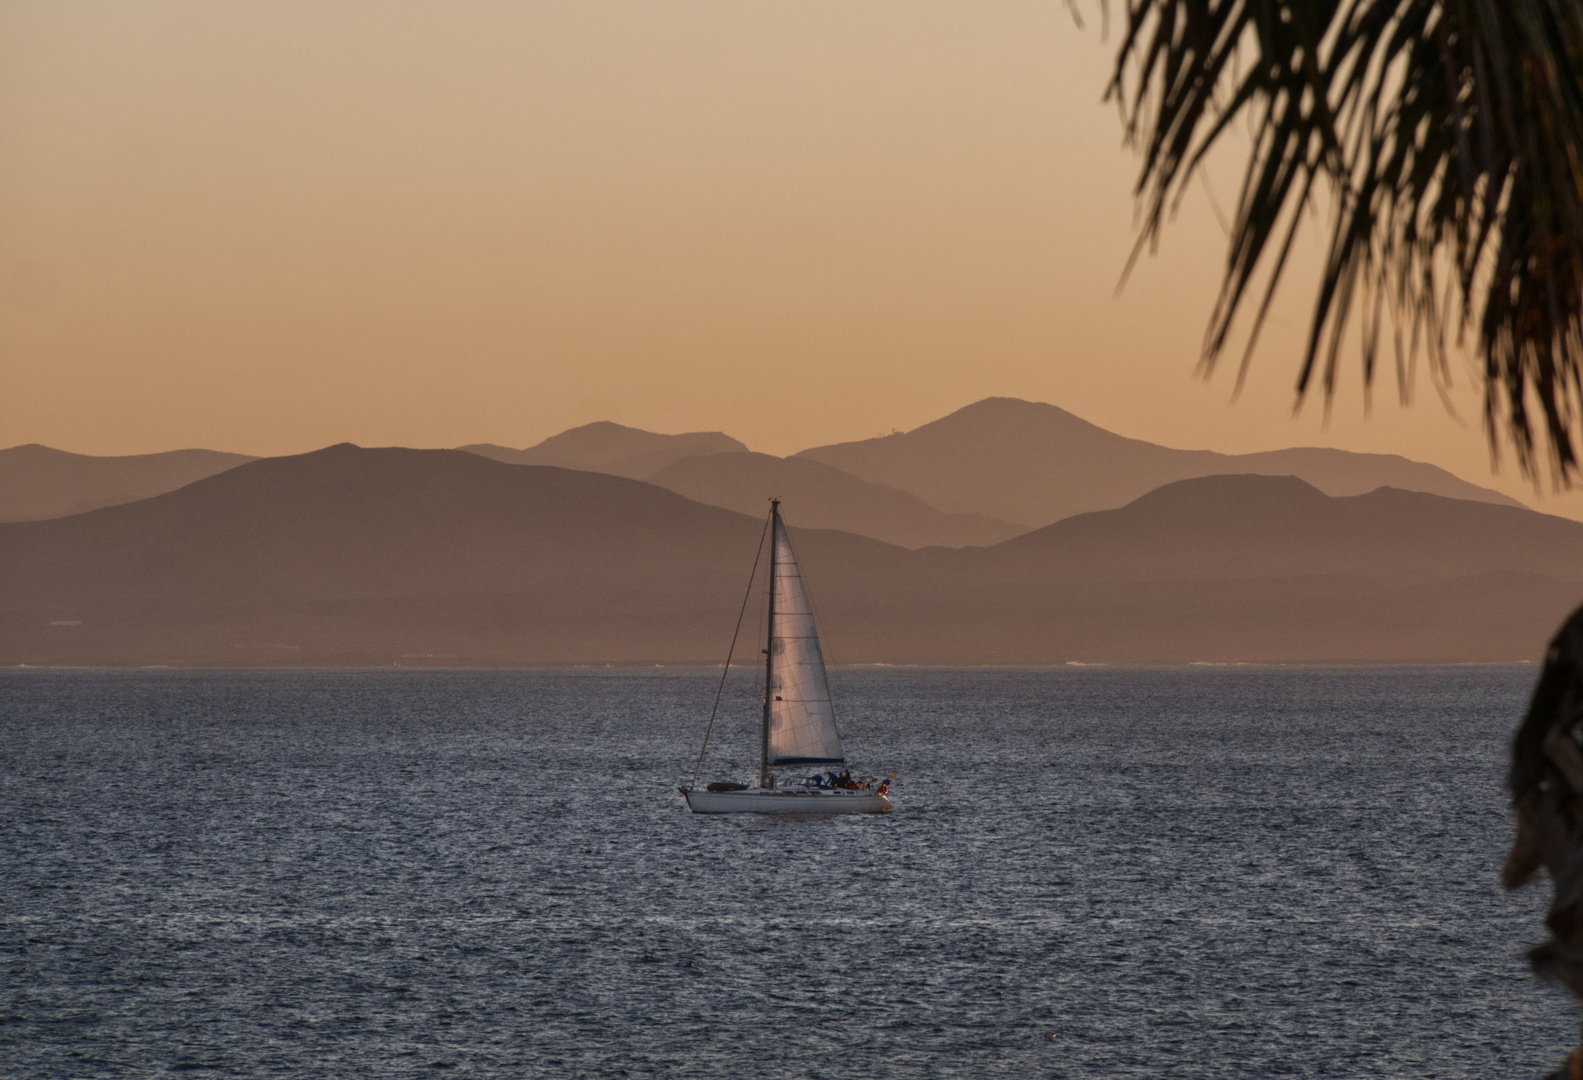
(787, 801)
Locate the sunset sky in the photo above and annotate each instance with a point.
(270, 226)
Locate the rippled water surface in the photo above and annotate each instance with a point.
(1202, 872)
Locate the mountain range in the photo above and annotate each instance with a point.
(983, 474)
(362, 556)
(827, 498)
(382, 556)
(38, 482)
(1033, 464)
(613, 448)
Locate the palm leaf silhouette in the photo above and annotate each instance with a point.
(1447, 136)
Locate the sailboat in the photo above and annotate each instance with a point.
(798, 723)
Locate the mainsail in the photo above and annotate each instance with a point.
(801, 716)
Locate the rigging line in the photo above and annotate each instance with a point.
(758, 554)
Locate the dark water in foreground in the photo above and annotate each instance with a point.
(1229, 872)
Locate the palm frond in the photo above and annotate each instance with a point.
(1447, 137)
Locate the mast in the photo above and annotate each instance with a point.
(769, 651)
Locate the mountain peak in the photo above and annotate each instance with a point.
(608, 447)
(1036, 463)
(1244, 527)
(1252, 489)
(999, 407)
(606, 440)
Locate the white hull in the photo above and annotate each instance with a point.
(792, 801)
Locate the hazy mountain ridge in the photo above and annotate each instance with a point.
(826, 498)
(613, 448)
(713, 468)
(349, 555)
(352, 556)
(1037, 462)
(38, 482)
(932, 486)
(1250, 526)
(1033, 463)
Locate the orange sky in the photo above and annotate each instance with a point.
(270, 226)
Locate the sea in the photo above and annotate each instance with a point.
(1090, 872)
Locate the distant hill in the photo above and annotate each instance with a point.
(1244, 569)
(352, 556)
(984, 473)
(713, 468)
(614, 449)
(39, 482)
(1031, 463)
(358, 556)
(820, 497)
(1247, 527)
